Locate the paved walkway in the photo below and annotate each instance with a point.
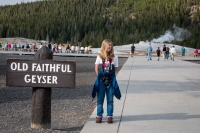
(157, 97)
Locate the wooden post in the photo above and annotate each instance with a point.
(41, 97)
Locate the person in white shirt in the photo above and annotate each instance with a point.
(60, 49)
(106, 62)
(86, 49)
(77, 49)
(72, 49)
(82, 49)
(54, 48)
(173, 52)
(12, 46)
(41, 45)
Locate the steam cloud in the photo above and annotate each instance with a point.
(179, 34)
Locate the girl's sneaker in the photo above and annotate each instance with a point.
(109, 119)
(98, 119)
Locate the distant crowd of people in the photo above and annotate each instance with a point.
(78, 49)
(53, 47)
(17, 47)
(167, 52)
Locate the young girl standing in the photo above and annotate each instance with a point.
(105, 66)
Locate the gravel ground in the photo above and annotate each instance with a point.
(71, 108)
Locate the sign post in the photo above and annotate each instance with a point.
(41, 74)
(41, 97)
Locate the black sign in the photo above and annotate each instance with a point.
(40, 73)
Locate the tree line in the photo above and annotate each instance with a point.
(91, 21)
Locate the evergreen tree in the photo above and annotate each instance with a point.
(91, 21)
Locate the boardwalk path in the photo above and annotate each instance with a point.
(157, 97)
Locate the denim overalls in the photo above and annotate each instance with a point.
(110, 90)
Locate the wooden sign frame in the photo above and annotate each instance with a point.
(40, 73)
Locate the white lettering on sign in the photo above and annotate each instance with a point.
(26, 78)
(41, 79)
(46, 67)
(57, 67)
(44, 79)
(51, 67)
(54, 80)
(33, 78)
(19, 67)
(13, 66)
(38, 68)
(33, 66)
(63, 68)
(68, 69)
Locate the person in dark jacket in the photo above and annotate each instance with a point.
(167, 52)
(106, 84)
(164, 51)
(132, 50)
(49, 46)
(158, 53)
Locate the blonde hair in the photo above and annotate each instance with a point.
(103, 53)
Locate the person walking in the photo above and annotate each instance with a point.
(49, 46)
(149, 51)
(183, 52)
(106, 84)
(68, 49)
(158, 53)
(164, 51)
(77, 48)
(89, 49)
(86, 49)
(60, 48)
(18, 47)
(167, 53)
(6, 47)
(25, 47)
(173, 52)
(196, 52)
(54, 48)
(9, 46)
(41, 45)
(170, 53)
(34, 47)
(132, 50)
(72, 49)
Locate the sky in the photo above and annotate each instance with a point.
(12, 2)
